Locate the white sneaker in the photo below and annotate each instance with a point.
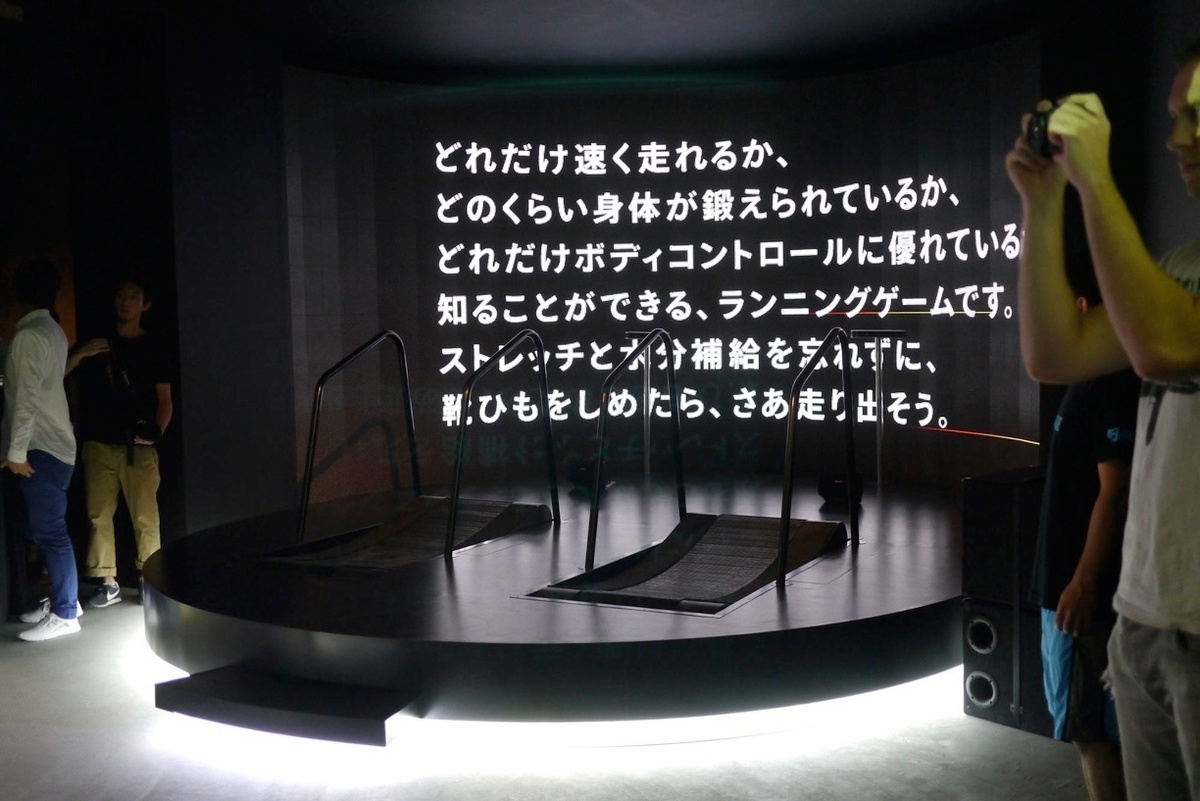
(49, 627)
(42, 609)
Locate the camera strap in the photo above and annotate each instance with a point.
(125, 398)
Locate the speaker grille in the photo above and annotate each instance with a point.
(1002, 668)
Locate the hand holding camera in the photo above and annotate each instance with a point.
(1037, 134)
(1030, 162)
(1075, 133)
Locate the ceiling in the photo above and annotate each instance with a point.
(555, 36)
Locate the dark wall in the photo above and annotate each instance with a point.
(85, 178)
(127, 146)
(120, 205)
(365, 183)
(1112, 59)
(234, 330)
(173, 141)
(226, 122)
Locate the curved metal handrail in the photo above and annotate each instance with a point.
(318, 395)
(620, 369)
(524, 335)
(785, 515)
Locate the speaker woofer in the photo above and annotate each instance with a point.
(981, 635)
(981, 689)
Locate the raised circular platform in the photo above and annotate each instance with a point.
(463, 639)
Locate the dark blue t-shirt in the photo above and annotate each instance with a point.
(1095, 423)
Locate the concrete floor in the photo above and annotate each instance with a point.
(78, 721)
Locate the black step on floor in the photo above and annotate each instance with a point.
(301, 707)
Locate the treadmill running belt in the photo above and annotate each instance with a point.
(415, 532)
(705, 564)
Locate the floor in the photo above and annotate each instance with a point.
(79, 722)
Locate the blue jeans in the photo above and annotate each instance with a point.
(45, 494)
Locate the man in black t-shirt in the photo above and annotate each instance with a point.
(1077, 563)
(124, 388)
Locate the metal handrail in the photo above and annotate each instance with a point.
(529, 335)
(785, 515)
(318, 395)
(665, 338)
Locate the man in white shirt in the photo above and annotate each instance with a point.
(38, 443)
(1150, 320)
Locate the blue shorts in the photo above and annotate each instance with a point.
(1073, 670)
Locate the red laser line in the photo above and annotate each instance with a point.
(978, 434)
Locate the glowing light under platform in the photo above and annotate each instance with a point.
(426, 748)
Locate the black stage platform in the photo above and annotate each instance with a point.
(465, 639)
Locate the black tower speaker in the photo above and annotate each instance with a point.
(1002, 661)
(999, 534)
(1002, 666)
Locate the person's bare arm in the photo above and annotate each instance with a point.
(88, 349)
(165, 407)
(1059, 343)
(1077, 604)
(1154, 318)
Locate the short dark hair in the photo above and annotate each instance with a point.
(139, 282)
(1189, 52)
(36, 283)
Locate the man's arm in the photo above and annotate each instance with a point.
(1155, 318)
(29, 357)
(165, 407)
(1156, 321)
(162, 411)
(1077, 603)
(88, 349)
(1059, 343)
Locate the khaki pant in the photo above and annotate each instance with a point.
(1155, 677)
(106, 472)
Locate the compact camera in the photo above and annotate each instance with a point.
(147, 430)
(1037, 134)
